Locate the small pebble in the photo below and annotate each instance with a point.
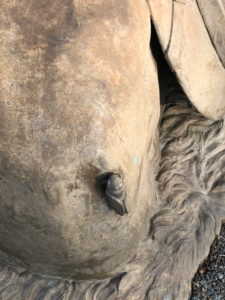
(201, 271)
(209, 281)
(203, 283)
(210, 292)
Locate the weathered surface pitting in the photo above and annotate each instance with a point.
(76, 78)
(191, 205)
(79, 99)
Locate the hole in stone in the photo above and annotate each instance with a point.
(101, 181)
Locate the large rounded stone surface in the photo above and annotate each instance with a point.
(79, 100)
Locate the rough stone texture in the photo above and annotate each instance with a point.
(191, 205)
(190, 52)
(79, 99)
(75, 76)
(209, 281)
(213, 14)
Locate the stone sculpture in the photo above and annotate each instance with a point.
(79, 149)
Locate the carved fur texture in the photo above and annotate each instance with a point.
(191, 206)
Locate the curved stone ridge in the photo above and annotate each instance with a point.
(187, 46)
(190, 209)
(213, 14)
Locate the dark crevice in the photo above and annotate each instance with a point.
(164, 72)
(168, 84)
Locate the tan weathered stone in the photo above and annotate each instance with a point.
(79, 98)
(190, 209)
(190, 53)
(213, 14)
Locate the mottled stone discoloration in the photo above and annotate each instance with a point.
(190, 207)
(76, 79)
(79, 98)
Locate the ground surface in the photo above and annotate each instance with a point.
(209, 281)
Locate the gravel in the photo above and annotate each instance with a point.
(209, 281)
